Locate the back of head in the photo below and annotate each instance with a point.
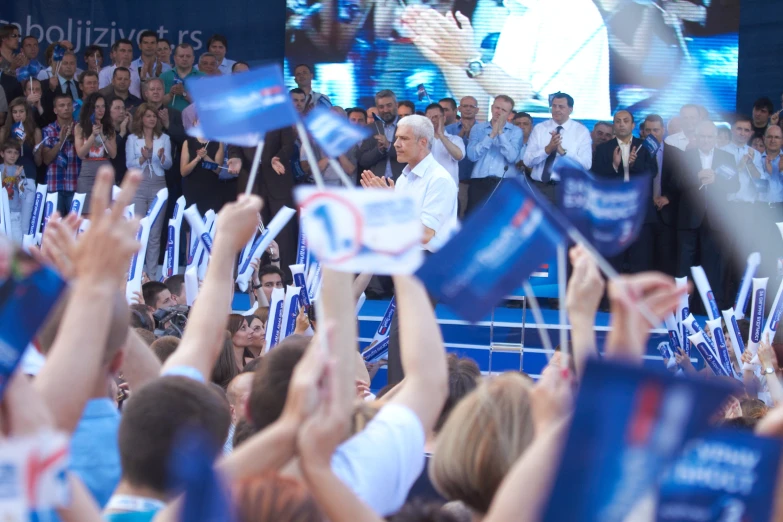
(165, 346)
(464, 375)
(417, 511)
(273, 498)
(482, 438)
(118, 329)
(270, 385)
(152, 420)
(146, 336)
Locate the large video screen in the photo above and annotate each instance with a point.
(645, 55)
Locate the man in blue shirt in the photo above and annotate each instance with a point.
(494, 146)
(468, 108)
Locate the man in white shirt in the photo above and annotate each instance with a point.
(544, 45)
(745, 157)
(447, 148)
(553, 139)
(148, 65)
(690, 116)
(435, 192)
(121, 55)
(303, 75)
(218, 45)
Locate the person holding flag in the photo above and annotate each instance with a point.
(377, 154)
(432, 187)
(21, 126)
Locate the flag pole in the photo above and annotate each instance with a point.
(561, 295)
(539, 317)
(254, 169)
(319, 179)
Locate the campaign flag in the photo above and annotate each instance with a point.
(379, 346)
(243, 140)
(609, 213)
(498, 248)
(629, 424)
(652, 144)
(334, 134)
(59, 53)
(191, 471)
(422, 93)
(361, 230)
(239, 104)
(724, 475)
(25, 301)
(18, 131)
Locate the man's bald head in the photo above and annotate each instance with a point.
(706, 135)
(773, 139)
(238, 391)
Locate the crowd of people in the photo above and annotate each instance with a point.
(295, 432)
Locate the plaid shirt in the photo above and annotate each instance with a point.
(60, 177)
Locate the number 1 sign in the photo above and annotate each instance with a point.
(361, 230)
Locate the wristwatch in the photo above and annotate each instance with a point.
(768, 371)
(475, 68)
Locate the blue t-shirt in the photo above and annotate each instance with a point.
(131, 516)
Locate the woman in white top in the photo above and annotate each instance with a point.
(149, 150)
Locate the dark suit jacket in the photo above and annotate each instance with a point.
(11, 87)
(278, 143)
(672, 161)
(693, 204)
(645, 165)
(47, 98)
(370, 157)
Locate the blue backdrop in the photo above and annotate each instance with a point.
(255, 30)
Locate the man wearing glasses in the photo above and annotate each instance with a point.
(468, 109)
(9, 44)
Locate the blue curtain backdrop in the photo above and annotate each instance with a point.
(760, 52)
(255, 29)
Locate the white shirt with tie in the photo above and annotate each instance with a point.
(625, 153)
(435, 193)
(576, 142)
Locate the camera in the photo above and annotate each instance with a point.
(171, 320)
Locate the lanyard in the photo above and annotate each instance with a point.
(134, 503)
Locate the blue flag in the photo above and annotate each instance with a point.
(725, 475)
(629, 424)
(234, 105)
(58, 53)
(191, 470)
(609, 213)
(499, 247)
(652, 144)
(335, 135)
(422, 93)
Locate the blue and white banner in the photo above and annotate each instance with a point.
(274, 324)
(758, 303)
(379, 346)
(719, 343)
(254, 102)
(171, 257)
(737, 343)
(498, 248)
(743, 294)
(705, 292)
(49, 208)
(261, 243)
(334, 134)
(293, 296)
(136, 268)
(708, 352)
(376, 230)
(629, 424)
(609, 213)
(77, 205)
(652, 144)
(683, 311)
(38, 206)
(300, 280)
(724, 475)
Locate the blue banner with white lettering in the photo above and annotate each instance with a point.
(629, 424)
(333, 133)
(498, 247)
(725, 475)
(250, 103)
(94, 22)
(609, 213)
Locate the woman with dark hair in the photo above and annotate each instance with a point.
(240, 332)
(226, 367)
(95, 141)
(21, 123)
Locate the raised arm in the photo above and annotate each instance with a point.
(203, 338)
(140, 364)
(583, 295)
(100, 259)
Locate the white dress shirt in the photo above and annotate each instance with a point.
(138, 64)
(45, 74)
(625, 153)
(747, 191)
(679, 140)
(434, 191)
(444, 157)
(133, 157)
(706, 159)
(576, 142)
(558, 45)
(105, 76)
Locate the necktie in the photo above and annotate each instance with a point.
(546, 176)
(68, 88)
(657, 182)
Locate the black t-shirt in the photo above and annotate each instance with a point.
(423, 489)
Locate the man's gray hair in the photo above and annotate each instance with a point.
(207, 55)
(145, 85)
(421, 127)
(386, 93)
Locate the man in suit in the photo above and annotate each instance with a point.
(702, 194)
(64, 82)
(665, 228)
(10, 89)
(624, 157)
(274, 183)
(376, 153)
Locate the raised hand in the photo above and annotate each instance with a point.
(278, 166)
(238, 222)
(617, 158)
(632, 157)
(370, 180)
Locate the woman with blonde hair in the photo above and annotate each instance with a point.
(483, 437)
